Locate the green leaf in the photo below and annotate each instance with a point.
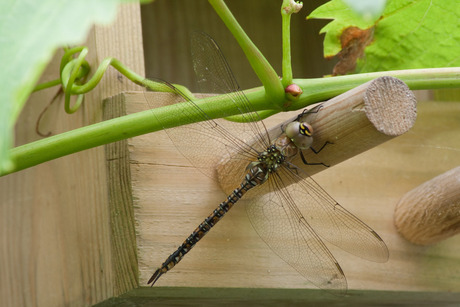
(415, 34)
(30, 32)
(410, 34)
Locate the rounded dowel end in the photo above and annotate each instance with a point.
(430, 212)
(390, 105)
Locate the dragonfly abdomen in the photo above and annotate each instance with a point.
(254, 177)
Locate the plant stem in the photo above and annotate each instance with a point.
(71, 69)
(46, 85)
(260, 65)
(286, 37)
(286, 64)
(288, 7)
(315, 90)
(320, 89)
(118, 129)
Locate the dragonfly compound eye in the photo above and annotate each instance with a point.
(300, 134)
(305, 129)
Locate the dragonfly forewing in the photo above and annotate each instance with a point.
(208, 142)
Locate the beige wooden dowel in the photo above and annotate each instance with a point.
(430, 212)
(352, 122)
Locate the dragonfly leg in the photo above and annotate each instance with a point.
(315, 152)
(309, 111)
(311, 163)
(322, 147)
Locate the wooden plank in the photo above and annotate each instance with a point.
(123, 239)
(178, 296)
(172, 198)
(56, 247)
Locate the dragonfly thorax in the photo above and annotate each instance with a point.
(286, 146)
(271, 158)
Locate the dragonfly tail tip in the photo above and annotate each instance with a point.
(155, 277)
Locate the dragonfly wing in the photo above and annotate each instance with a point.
(215, 76)
(274, 216)
(330, 220)
(210, 142)
(205, 143)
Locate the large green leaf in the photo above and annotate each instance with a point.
(30, 32)
(410, 34)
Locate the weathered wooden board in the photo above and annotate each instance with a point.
(171, 198)
(180, 296)
(56, 247)
(60, 244)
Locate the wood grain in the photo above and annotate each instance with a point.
(430, 213)
(171, 198)
(56, 241)
(180, 296)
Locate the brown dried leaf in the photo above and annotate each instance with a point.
(353, 40)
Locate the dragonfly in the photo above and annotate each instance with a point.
(290, 211)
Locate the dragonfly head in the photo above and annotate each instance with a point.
(300, 133)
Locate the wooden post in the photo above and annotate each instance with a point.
(57, 244)
(360, 119)
(353, 122)
(431, 212)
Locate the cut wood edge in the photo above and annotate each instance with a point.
(430, 213)
(390, 106)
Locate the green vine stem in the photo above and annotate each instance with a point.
(46, 85)
(320, 89)
(287, 9)
(264, 71)
(315, 90)
(74, 71)
(76, 64)
(286, 63)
